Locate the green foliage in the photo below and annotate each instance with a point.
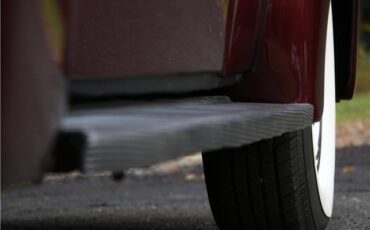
(363, 71)
(356, 109)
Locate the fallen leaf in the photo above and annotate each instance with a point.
(348, 169)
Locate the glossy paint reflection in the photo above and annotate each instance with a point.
(290, 66)
(245, 24)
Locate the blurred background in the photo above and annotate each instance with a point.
(359, 108)
(353, 117)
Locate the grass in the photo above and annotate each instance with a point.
(363, 71)
(356, 109)
(359, 107)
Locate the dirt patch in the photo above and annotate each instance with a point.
(353, 134)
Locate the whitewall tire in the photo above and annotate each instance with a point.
(285, 182)
(323, 132)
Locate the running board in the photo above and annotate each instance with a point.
(124, 136)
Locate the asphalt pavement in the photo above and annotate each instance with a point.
(176, 200)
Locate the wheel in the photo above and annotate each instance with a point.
(286, 182)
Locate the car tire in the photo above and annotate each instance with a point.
(270, 184)
(278, 183)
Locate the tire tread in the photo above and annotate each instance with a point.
(268, 185)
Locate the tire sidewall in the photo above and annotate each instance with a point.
(318, 214)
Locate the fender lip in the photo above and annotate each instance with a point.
(246, 25)
(291, 61)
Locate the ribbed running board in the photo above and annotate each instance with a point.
(124, 136)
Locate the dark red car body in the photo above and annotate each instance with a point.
(278, 46)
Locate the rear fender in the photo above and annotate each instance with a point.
(290, 63)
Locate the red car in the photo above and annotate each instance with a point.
(108, 85)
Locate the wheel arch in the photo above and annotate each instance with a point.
(291, 58)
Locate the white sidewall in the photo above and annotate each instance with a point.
(325, 174)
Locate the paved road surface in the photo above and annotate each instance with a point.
(163, 202)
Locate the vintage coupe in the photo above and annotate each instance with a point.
(107, 85)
